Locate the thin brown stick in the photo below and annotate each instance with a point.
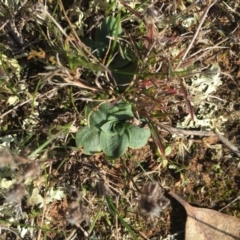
(224, 140)
(44, 209)
(187, 132)
(27, 101)
(236, 199)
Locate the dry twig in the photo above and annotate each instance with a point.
(224, 140)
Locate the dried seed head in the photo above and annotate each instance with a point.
(151, 16)
(5, 157)
(152, 200)
(15, 193)
(74, 195)
(153, 191)
(76, 214)
(32, 170)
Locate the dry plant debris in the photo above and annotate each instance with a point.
(152, 200)
(5, 157)
(16, 193)
(204, 224)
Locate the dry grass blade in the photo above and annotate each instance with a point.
(27, 101)
(64, 73)
(10, 230)
(196, 33)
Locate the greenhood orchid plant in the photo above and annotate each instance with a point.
(110, 129)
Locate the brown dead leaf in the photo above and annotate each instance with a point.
(37, 54)
(206, 224)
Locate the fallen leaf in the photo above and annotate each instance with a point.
(206, 224)
(37, 54)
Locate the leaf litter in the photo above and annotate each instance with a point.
(199, 175)
(206, 224)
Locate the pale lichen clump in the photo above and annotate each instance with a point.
(201, 88)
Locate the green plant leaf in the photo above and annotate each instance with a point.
(114, 146)
(96, 120)
(122, 58)
(89, 108)
(100, 49)
(121, 111)
(124, 75)
(114, 212)
(138, 136)
(76, 61)
(110, 27)
(108, 128)
(99, 116)
(89, 140)
(156, 137)
(120, 127)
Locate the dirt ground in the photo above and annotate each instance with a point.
(200, 169)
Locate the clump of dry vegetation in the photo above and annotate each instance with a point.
(155, 84)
